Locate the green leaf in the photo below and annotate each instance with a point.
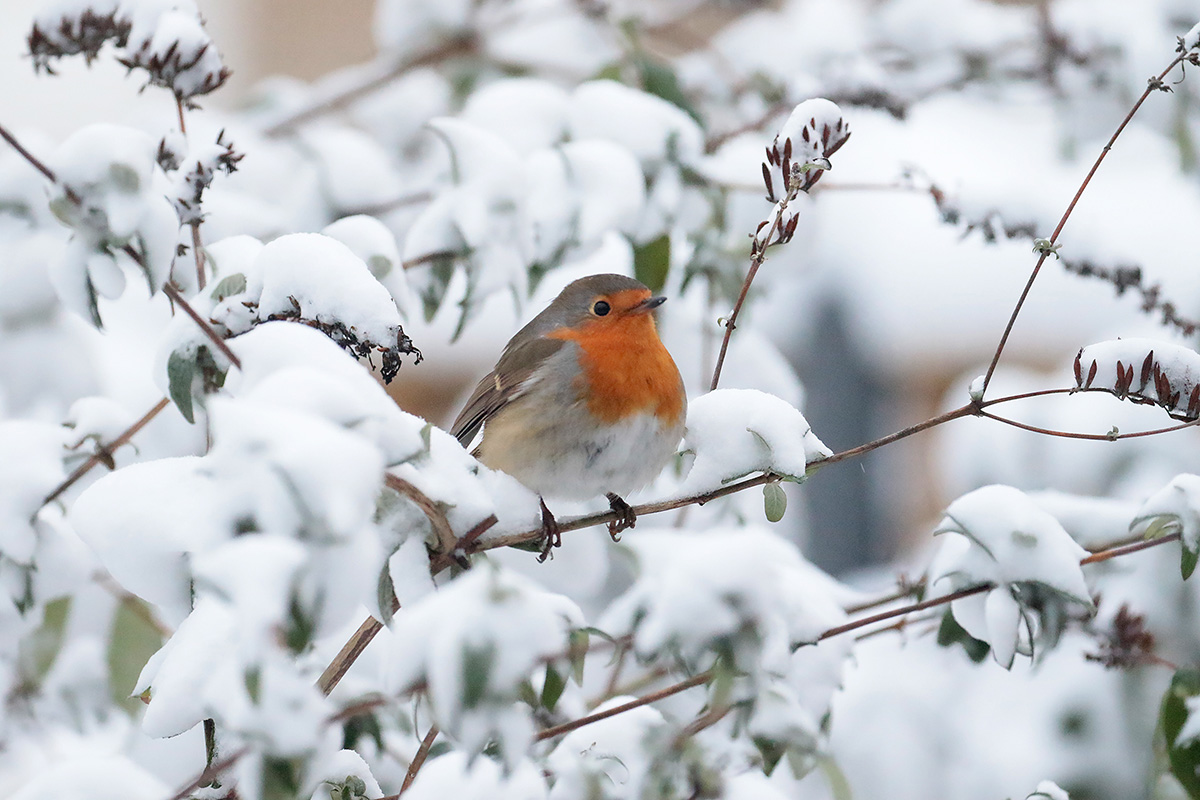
(477, 668)
(660, 80)
(131, 642)
(1183, 759)
(771, 752)
(1187, 561)
(610, 73)
(577, 650)
(651, 262)
(362, 726)
(229, 286)
(180, 371)
(39, 649)
(282, 778)
(951, 633)
(774, 501)
(552, 689)
(253, 680)
(386, 595)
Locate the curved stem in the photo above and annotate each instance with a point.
(1150, 87)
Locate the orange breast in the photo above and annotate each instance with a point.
(625, 369)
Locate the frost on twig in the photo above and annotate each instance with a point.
(1143, 371)
(998, 536)
(166, 39)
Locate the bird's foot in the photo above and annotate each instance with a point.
(625, 521)
(551, 535)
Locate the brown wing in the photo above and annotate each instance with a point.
(501, 385)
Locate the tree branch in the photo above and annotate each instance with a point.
(1150, 87)
(109, 448)
(455, 46)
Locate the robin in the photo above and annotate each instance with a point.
(585, 400)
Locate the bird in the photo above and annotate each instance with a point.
(585, 400)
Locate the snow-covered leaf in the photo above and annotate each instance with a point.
(998, 536)
(473, 644)
(734, 432)
(1174, 509)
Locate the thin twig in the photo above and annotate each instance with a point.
(1124, 550)
(1046, 251)
(170, 291)
(37, 164)
(756, 261)
(436, 516)
(109, 448)
(419, 759)
(1091, 437)
(676, 688)
(349, 653)
(455, 46)
(210, 774)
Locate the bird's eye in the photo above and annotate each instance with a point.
(601, 308)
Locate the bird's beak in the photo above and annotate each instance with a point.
(648, 305)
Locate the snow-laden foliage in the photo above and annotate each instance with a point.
(473, 645)
(998, 537)
(304, 588)
(735, 432)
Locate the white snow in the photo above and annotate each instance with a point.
(734, 432)
(1050, 791)
(1191, 39)
(1174, 508)
(329, 283)
(743, 588)
(456, 775)
(122, 195)
(472, 643)
(1159, 372)
(998, 535)
(610, 754)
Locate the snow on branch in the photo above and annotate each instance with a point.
(166, 38)
(1143, 371)
(1000, 537)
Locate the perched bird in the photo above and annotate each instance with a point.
(585, 400)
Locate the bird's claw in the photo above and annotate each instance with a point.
(551, 535)
(626, 519)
